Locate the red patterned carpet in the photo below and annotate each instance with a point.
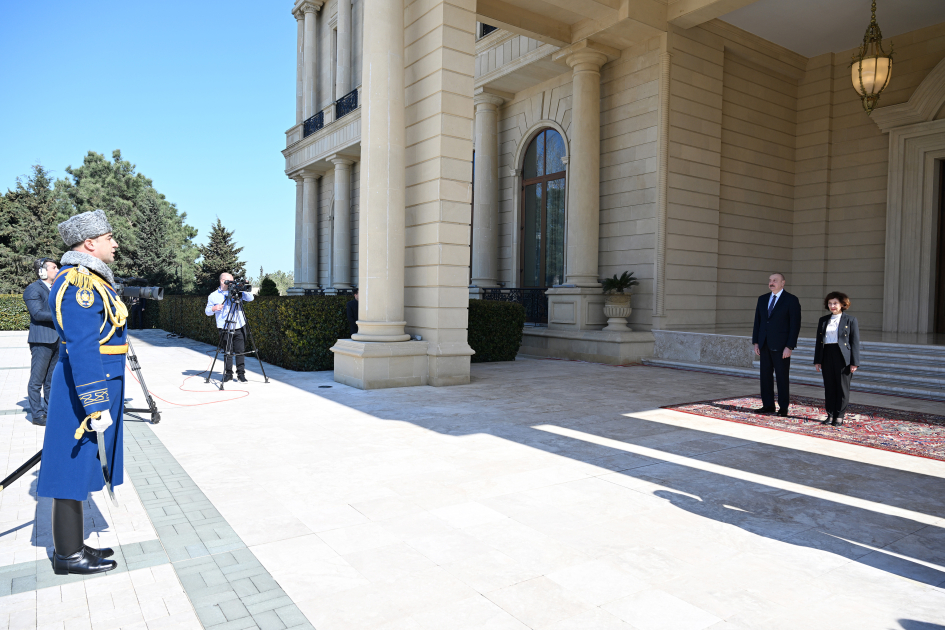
(909, 432)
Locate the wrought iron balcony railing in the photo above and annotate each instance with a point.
(346, 104)
(534, 300)
(313, 124)
(325, 292)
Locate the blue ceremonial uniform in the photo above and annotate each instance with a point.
(89, 377)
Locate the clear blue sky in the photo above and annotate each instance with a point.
(197, 94)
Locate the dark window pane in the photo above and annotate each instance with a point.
(540, 157)
(554, 234)
(554, 152)
(531, 236)
(530, 167)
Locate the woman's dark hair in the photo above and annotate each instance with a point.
(840, 297)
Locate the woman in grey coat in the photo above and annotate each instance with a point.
(837, 355)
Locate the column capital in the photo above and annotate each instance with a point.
(586, 52)
(340, 161)
(310, 174)
(493, 98)
(307, 6)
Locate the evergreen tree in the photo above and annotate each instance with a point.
(268, 288)
(27, 229)
(218, 255)
(115, 187)
(155, 260)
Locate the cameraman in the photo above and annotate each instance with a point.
(219, 305)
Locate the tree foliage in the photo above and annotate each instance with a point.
(154, 238)
(268, 288)
(218, 255)
(27, 229)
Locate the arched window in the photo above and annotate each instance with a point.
(543, 196)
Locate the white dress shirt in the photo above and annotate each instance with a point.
(830, 336)
(221, 297)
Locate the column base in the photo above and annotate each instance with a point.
(576, 308)
(379, 365)
(295, 291)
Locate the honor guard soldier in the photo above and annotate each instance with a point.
(82, 449)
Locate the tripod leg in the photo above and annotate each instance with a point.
(252, 342)
(136, 369)
(215, 355)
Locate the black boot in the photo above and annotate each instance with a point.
(837, 421)
(70, 555)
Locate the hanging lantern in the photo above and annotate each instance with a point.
(871, 67)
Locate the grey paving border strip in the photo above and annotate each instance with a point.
(228, 587)
(32, 576)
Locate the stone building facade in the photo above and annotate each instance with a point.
(692, 152)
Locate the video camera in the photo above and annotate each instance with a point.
(237, 286)
(145, 293)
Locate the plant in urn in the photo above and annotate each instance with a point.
(617, 302)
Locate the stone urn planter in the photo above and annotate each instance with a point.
(617, 310)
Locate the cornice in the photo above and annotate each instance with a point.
(921, 106)
(494, 40)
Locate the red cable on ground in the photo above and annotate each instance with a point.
(197, 391)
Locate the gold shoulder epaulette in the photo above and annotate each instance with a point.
(88, 284)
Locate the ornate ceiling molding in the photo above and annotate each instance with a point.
(921, 106)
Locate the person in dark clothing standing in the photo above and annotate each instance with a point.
(351, 311)
(837, 355)
(43, 339)
(774, 335)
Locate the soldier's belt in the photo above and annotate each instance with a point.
(123, 349)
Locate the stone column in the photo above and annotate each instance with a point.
(381, 229)
(309, 58)
(380, 354)
(341, 243)
(485, 257)
(583, 232)
(298, 268)
(578, 305)
(299, 65)
(343, 72)
(309, 230)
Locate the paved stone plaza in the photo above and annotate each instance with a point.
(546, 494)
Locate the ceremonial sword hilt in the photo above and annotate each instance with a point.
(85, 426)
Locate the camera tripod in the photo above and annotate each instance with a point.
(152, 406)
(233, 313)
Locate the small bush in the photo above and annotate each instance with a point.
(495, 330)
(268, 288)
(13, 313)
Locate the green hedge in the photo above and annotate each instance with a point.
(495, 330)
(296, 332)
(293, 332)
(13, 313)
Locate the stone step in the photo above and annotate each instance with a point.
(921, 370)
(861, 382)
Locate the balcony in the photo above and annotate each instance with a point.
(337, 127)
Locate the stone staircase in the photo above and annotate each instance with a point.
(886, 368)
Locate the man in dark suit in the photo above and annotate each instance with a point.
(777, 325)
(351, 312)
(43, 339)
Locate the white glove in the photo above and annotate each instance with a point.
(102, 422)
